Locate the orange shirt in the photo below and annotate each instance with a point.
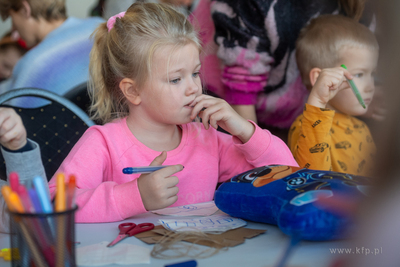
(321, 139)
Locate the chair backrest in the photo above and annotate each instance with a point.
(79, 96)
(56, 127)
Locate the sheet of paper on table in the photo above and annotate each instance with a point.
(208, 224)
(197, 209)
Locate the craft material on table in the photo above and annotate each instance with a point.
(123, 254)
(208, 224)
(230, 238)
(130, 229)
(197, 209)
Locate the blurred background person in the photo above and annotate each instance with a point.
(58, 60)
(12, 48)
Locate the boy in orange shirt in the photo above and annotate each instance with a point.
(327, 136)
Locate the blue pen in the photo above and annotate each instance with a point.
(42, 194)
(191, 263)
(145, 169)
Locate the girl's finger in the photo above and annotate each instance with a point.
(202, 102)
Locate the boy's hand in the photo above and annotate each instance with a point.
(217, 112)
(12, 130)
(158, 189)
(328, 84)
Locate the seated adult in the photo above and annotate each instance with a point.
(59, 58)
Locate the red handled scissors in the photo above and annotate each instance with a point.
(130, 229)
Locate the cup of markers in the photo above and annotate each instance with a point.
(41, 234)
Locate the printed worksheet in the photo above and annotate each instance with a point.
(198, 209)
(208, 224)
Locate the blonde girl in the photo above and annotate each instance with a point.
(146, 90)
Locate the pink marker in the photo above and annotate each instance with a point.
(14, 181)
(26, 200)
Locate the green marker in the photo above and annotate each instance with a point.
(354, 88)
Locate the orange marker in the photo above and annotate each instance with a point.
(71, 191)
(5, 191)
(61, 200)
(15, 202)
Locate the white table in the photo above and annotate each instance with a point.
(261, 251)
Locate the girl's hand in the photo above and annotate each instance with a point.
(328, 84)
(158, 189)
(12, 130)
(217, 112)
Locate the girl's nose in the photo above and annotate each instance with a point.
(193, 87)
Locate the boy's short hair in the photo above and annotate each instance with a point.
(320, 42)
(48, 9)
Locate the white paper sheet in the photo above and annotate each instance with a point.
(100, 255)
(208, 224)
(198, 209)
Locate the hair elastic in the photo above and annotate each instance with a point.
(111, 21)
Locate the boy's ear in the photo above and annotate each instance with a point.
(314, 74)
(26, 9)
(130, 90)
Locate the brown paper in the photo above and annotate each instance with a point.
(229, 238)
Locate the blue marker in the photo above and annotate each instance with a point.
(35, 200)
(191, 263)
(43, 196)
(146, 169)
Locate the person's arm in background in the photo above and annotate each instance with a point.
(20, 154)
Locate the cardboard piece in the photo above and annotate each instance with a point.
(230, 238)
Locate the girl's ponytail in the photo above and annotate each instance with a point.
(103, 89)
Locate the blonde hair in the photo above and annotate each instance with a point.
(126, 51)
(50, 10)
(321, 41)
(352, 8)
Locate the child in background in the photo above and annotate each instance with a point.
(20, 154)
(11, 51)
(146, 88)
(327, 136)
(58, 59)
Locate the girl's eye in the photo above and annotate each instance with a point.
(358, 75)
(196, 74)
(175, 81)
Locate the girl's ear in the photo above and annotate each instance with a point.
(314, 74)
(130, 91)
(26, 8)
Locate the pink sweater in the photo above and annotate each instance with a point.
(209, 157)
